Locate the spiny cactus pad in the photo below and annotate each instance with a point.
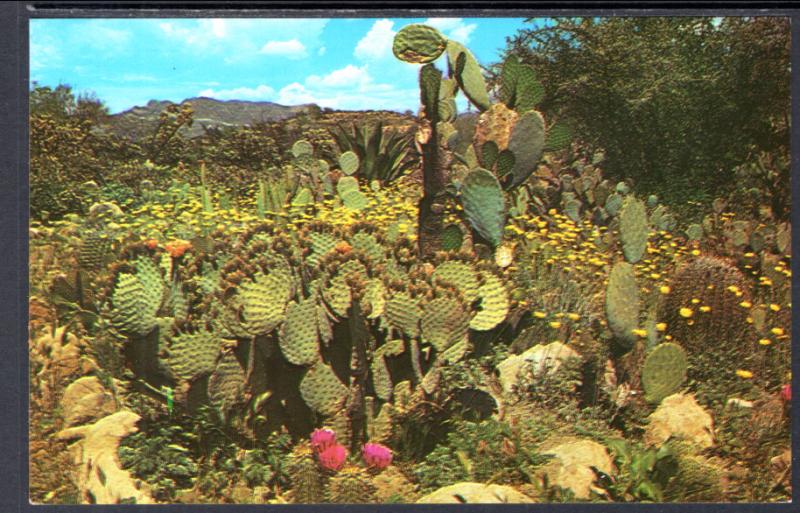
(355, 200)
(495, 124)
(494, 304)
(444, 322)
(226, 384)
(346, 184)
(192, 355)
(404, 313)
(298, 341)
(452, 238)
(418, 44)
(301, 148)
(348, 162)
(321, 389)
(460, 275)
(264, 300)
(633, 229)
(484, 204)
(664, 371)
(527, 144)
(134, 311)
(351, 485)
(622, 302)
(468, 74)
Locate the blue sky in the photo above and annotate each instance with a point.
(340, 63)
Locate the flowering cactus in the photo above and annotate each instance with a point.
(376, 455)
(333, 457)
(322, 439)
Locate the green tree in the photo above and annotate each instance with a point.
(677, 100)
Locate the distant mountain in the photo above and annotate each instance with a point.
(139, 122)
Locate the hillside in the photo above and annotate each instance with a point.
(139, 121)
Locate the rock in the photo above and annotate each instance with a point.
(100, 477)
(475, 493)
(60, 357)
(681, 417)
(572, 464)
(543, 359)
(86, 400)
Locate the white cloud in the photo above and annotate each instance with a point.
(377, 43)
(241, 39)
(453, 28)
(347, 77)
(321, 51)
(292, 48)
(261, 92)
(351, 87)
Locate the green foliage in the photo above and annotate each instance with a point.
(728, 86)
(160, 454)
(384, 155)
(487, 451)
(642, 472)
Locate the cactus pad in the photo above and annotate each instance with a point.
(264, 300)
(321, 389)
(346, 184)
(622, 302)
(226, 384)
(495, 124)
(664, 371)
(134, 312)
(301, 148)
(460, 275)
(468, 74)
(494, 304)
(192, 355)
(527, 144)
(348, 162)
(298, 341)
(633, 229)
(484, 204)
(444, 322)
(404, 313)
(418, 44)
(452, 238)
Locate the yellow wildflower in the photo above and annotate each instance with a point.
(744, 374)
(705, 309)
(746, 304)
(686, 312)
(777, 331)
(661, 326)
(765, 341)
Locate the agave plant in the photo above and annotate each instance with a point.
(382, 156)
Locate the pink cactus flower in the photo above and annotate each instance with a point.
(786, 393)
(333, 457)
(321, 439)
(376, 455)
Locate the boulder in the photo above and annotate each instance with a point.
(571, 466)
(100, 477)
(475, 493)
(542, 360)
(680, 416)
(104, 209)
(86, 400)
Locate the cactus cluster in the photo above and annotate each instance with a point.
(341, 305)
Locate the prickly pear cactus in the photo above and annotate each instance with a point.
(527, 144)
(468, 74)
(404, 313)
(321, 389)
(460, 275)
(633, 229)
(484, 205)
(191, 355)
(137, 298)
(444, 323)
(622, 303)
(264, 299)
(418, 44)
(348, 162)
(664, 371)
(298, 340)
(494, 304)
(226, 384)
